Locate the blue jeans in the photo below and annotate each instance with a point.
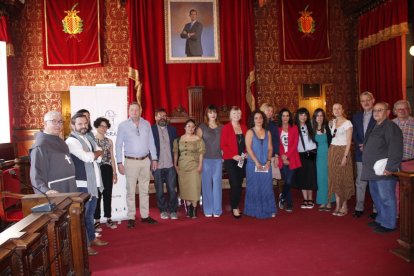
(211, 186)
(383, 193)
(287, 175)
(169, 177)
(90, 207)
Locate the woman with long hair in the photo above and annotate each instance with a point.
(188, 160)
(340, 171)
(289, 159)
(233, 147)
(210, 132)
(323, 137)
(108, 172)
(305, 176)
(260, 198)
(272, 126)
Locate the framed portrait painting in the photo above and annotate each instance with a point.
(192, 31)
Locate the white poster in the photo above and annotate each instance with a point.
(110, 102)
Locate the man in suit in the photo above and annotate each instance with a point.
(164, 136)
(362, 122)
(192, 33)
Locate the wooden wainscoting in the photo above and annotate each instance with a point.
(24, 139)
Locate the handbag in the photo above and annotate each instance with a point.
(309, 154)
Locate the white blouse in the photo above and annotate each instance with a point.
(340, 133)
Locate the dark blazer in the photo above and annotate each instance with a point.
(172, 134)
(358, 132)
(193, 46)
(274, 130)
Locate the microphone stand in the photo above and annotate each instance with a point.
(44, 207)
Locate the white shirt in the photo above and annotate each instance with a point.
(340, 133)
(75, 148)
(284, 139)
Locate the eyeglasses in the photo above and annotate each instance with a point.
(379, 110)
(55, 123)
(402, 109)
(334, 133)
(103, 126)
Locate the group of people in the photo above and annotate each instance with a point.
(311, 153)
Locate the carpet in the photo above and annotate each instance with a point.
(304, 242)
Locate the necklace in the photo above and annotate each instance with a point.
(239, 138)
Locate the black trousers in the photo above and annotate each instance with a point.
(236, 175)
(107, 176)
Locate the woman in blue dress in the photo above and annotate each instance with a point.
(260, 198)
(323, 137)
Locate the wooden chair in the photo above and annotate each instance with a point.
(10, 196)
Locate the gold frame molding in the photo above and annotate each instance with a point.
(174, 9)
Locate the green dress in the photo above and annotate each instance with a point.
(322, 169)
(189, 179)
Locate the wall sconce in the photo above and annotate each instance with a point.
(412, 50)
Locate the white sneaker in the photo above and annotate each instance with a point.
(164, 215)
(216, 216)
(173, 215)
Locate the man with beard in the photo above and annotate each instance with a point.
(52, 169)
(164, 136)
(85, 155)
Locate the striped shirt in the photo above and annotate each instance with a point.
(407, 128)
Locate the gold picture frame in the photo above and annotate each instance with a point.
(192, 31)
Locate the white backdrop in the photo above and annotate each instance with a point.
(110, 102)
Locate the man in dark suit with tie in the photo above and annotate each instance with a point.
(192, 33)
(164, 136)
(362, 121)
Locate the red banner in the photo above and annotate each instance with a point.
(72, 33)
(304, 34)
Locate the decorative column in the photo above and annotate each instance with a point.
(195, 103)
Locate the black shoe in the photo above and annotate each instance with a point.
(373, 224)
(373, 216)
(382, 230)
(149, 220)
(357, 214)
(194, 212)
(131, 223)
(190, 210)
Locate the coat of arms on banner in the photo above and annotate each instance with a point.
(72, 23)
(306, 24)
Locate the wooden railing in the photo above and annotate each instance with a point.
(50, 243)
(406, 240)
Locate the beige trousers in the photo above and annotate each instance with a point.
(137, 170)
